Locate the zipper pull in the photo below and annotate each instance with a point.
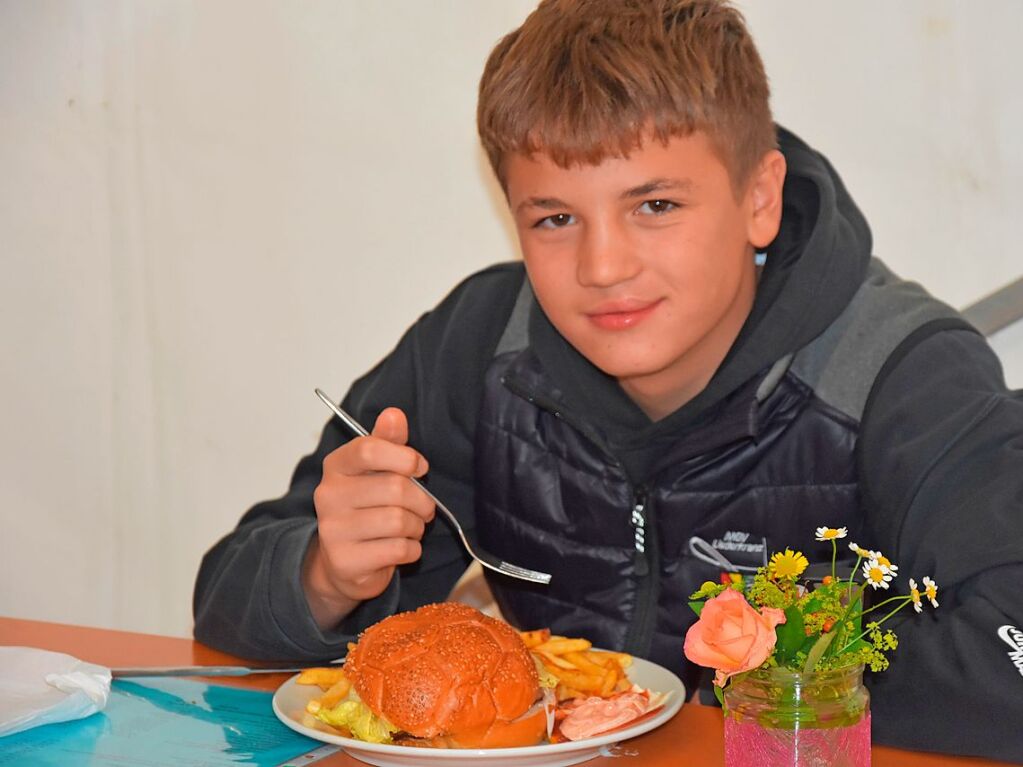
(638, 520)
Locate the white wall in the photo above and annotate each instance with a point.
(209, 208)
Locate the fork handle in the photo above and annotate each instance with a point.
(350, 422)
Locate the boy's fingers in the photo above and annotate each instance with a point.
(372, 454)
(367, 492)
(391, 522)
(392, 425)
(393, 490)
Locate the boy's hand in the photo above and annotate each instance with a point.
(370, 519)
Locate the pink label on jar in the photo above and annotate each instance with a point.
(747, 744)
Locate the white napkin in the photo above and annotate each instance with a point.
(41, 687)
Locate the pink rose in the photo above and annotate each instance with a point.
(731, 636)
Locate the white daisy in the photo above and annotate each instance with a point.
(831, 533)
(931, 590)
(876, 574)
(914, 593)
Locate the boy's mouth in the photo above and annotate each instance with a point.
(622, 315)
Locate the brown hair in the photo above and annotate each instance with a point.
(584, 80)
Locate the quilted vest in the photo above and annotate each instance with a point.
(763, 470)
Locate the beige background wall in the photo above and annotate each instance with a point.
(208, 208)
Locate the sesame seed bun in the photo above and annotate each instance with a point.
(450, 676)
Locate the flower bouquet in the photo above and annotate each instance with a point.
(789, 659)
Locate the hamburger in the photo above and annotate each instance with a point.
(445, 675)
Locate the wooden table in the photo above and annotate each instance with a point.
(693, 737)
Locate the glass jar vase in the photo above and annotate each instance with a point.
(781, 717)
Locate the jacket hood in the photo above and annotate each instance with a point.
(814, 267)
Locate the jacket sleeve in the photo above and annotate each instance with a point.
(942, 473)
(248, 597)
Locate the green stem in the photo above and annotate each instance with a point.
(834, 556)
(840, 624)
(906, 601)
(859, 558)
(875, 607)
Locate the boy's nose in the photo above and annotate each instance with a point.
(605, 258)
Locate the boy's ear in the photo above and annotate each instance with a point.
(764, 197)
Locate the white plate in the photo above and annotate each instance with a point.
(290, 699)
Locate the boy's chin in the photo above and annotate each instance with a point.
(628, 369)
(642, 360)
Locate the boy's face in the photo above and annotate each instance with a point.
(645, 264)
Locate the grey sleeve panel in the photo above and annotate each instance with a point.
(516, 333)
(840, 365)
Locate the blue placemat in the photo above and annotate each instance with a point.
(158, 722)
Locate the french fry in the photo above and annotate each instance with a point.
(533, 638)
(622, 658)
(611, 678)
(553, 662)
(580, 680)
(564, 692)
(337, 693)
(580, 670)
(324, 678)
(562, 645)
(600, 659)
(583, 662)
(570, 676)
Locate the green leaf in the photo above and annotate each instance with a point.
(697, 607)
(817, 651)
(720, 695)
(810, 641)
(791, 635)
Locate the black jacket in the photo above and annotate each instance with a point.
(937, 453)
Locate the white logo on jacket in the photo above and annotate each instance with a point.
(1013, 637)
(735, 540)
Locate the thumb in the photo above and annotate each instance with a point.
(392, 425)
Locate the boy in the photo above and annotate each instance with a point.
(649, 394)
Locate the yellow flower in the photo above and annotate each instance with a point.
(931, 590)
(876, 574)
(831, 533)
(788, 564)
(914, 593)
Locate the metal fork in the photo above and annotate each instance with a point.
(484, 558)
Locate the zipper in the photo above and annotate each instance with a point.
(646, 561)
(638, 520)
(646, 565)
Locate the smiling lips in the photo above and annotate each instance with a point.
(622, 315)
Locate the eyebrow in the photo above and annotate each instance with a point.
(545, 203)
(658, 185)
(654, 185)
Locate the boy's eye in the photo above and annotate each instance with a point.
(556, 221)
(657, 207)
